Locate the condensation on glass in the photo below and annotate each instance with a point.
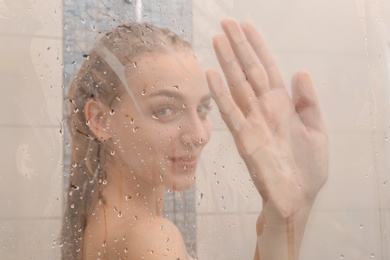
(344, 45)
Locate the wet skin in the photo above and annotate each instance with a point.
(155, 141)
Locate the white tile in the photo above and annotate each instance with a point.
(223, 182)
(311, 26)
(385, 216)
(352, 96)
(328, 235)
(31, 176)
(226, 236)
(30, 239)
(384, 11)
(344, 234)
(31, 75)
(353, 182)
(31, 18)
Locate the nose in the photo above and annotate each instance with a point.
(195, 131)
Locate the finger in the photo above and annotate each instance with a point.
(240, 88)
(260, 48)
(253, 69)
(230, 113)
(306, 101)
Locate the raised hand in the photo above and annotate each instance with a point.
(282, 139)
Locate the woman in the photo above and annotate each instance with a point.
(138, 121)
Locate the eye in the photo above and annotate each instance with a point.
(163, 112)
(203, 110)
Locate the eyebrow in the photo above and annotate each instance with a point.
(176, 94)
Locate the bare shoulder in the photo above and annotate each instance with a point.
(148, 238)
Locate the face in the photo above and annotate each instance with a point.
(160, 126)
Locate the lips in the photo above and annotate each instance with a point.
(185, 161)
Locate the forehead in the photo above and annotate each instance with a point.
(161, 70)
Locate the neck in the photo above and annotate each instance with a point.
(128, 194)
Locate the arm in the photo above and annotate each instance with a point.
(282, 139)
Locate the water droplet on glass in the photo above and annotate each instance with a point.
(341, 256)
(143, 92)
(135, 129)
(119, 214)
(112, 112)
(154, 116)
(372, 255)
(112, 152)
(72, 206)
(176, 87)
(128, 197)
(361, 226)
(132, 121)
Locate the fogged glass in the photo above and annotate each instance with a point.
(344, 46)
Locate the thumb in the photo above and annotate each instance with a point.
(306, 101)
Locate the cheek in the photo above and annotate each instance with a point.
(155, 141)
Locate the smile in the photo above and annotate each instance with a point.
(185, 161)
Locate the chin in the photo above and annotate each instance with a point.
(180, 179)
(180, 184)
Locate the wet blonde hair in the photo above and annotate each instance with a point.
(99, 79)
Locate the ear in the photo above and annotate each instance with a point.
(97, 119)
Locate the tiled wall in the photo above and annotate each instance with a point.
(30, 125)
(341, 43)
(351, 218)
